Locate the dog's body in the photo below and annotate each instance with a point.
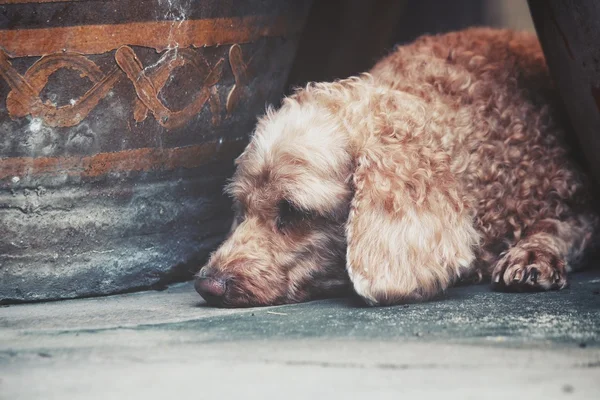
(446, 161)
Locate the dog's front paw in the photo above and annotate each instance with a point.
(530, 268)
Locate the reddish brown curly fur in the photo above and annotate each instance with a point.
(446, 161)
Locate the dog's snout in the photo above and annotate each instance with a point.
(211, 289)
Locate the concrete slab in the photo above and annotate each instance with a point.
(473, 343)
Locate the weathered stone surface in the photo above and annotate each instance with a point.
(474, 343)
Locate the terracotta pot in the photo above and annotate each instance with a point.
(119, 121)
(570, 35)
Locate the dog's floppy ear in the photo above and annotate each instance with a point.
(409, 233)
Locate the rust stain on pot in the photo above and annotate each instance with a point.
(24, 99)
(156, 79)
(159, 35)
(240, 72)
(137, 160)
(147, 89)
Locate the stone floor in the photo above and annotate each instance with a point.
(473, 343)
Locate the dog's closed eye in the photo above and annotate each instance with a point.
(291, 215)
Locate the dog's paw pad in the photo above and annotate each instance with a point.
(529, 269)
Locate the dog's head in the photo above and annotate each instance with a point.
(291, 195)
(348, 181)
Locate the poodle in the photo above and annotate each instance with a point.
(447, 162)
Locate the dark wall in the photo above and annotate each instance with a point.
(346, 37)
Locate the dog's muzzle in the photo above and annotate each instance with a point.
(211, 289)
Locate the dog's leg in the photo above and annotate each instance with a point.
(409, 231)
(541, 259)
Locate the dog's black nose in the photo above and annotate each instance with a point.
(211, 289)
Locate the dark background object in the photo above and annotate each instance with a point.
(570, 35)
(119, 121)
(346, 37)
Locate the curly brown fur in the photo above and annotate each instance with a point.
(445, 161)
